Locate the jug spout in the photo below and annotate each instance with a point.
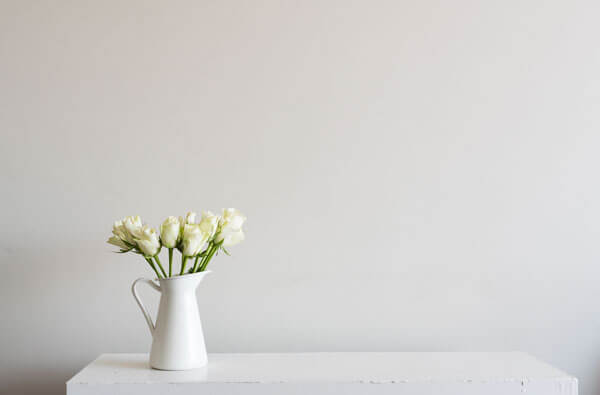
(183, 283)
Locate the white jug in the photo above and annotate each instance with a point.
(177, 338)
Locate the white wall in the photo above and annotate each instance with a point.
(417, 175)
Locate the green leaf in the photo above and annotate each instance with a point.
(225, 251)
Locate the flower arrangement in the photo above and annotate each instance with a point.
(197, 242)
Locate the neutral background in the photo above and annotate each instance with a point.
(417, 175)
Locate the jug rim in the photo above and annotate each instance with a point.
(183, 276)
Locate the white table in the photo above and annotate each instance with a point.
(329, 373)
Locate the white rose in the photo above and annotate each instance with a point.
(147, 241)
(230, 238)
(190, 218)
(124, 232)
(121, 232)
(193, 239)
(133, 226)
(232, 219)
(209, 224)
(230, 227)
(169, 232)
(117, 241)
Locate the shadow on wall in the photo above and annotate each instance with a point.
(27, 381)
(57, 318)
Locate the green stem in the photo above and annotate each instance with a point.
(159, 265)
(203, 256)
(170, 262)
(195, 264)
(152, 266)
(215, 248)
(183, 262)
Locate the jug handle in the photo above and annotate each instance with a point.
(139, 301)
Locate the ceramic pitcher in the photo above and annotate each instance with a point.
(177, 338)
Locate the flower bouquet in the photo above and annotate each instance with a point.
(177, 338)
(197, 242)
